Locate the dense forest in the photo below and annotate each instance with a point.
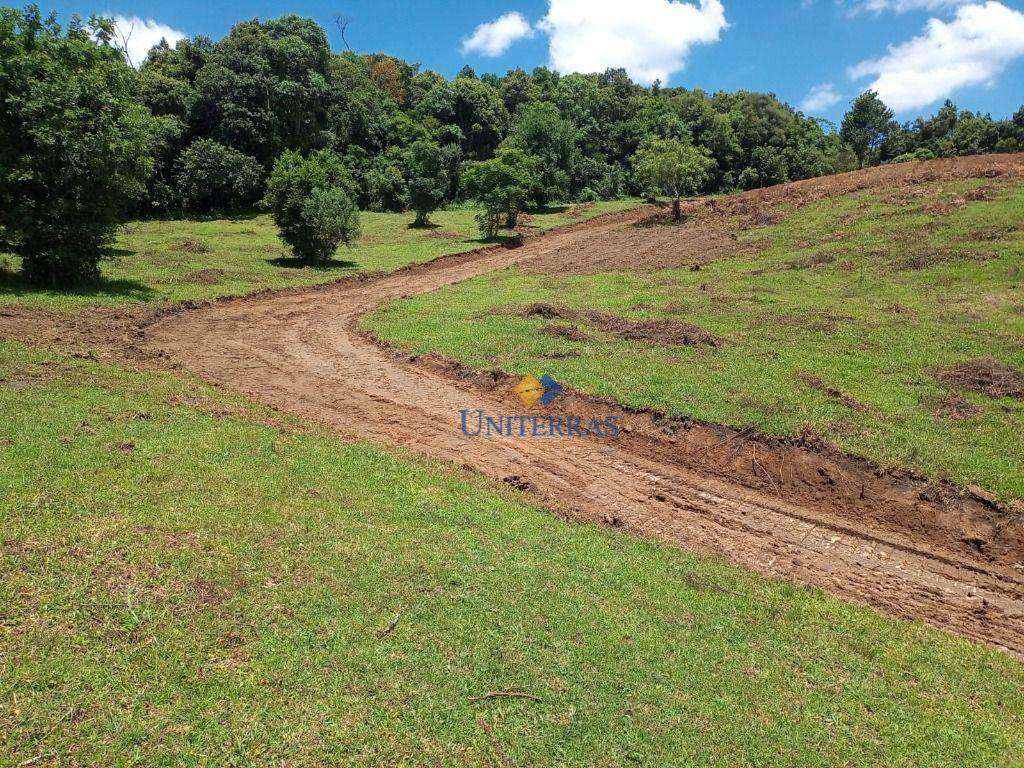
(213, 118)
(272, 86)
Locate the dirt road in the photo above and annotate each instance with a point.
(303, 353)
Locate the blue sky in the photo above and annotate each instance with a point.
(916, 51)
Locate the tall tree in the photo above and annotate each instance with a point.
(867, 125)
(543, 133)
(76, 143)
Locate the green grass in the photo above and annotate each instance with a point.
(153, 261)
(186, 579)
(898, 291)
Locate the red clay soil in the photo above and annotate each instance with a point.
(710, 230)
(791, 509)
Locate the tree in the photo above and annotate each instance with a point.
(428, 180)
(313, 203)
(543, 133)
(75, 147)
(386, 185)
(264, 88)
(867, 125)
(501, 186)
(212, 177)
(673, 168)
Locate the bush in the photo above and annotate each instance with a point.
(313, 203)
(386, 189)
(75, 147)
(213, 177)
(501, 187)
(428, 180)
(917, 155)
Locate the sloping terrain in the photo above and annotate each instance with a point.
(303, 352)
(187, 578)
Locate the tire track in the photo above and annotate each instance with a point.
(302, 352)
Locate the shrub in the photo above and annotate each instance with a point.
(501, 187)
(386, 189)
(75, 146)
(428, 180)
(213, 177)
(313, 203)
(917, 155)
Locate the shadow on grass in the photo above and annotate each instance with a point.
(12, 282)
(545, 209)
(291, 262)
(508, 240)
(176, 216)
(423, 225)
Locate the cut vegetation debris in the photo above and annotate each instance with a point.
(991, 377)
(221, 590)
(656, 331)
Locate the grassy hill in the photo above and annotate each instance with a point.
(888, 320)
(188, 579)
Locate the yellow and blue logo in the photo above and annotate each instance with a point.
(532, 390)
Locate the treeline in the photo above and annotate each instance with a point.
(274, 86)
(200, 127)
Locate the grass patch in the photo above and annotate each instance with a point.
(178, 260)
(189, 579)
(866, 295)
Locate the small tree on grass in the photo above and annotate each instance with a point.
(313, 204)
(501, 186)
(428, 180)
(672, 167)
(75, 144)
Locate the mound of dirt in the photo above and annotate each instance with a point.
(204, 277)
(955, 408)
(568, 332)
(989, 376)
(667, 332)
(190, 246)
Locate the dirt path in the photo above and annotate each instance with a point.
(302, 352)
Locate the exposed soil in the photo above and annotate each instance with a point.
(190, 246)
(709, 230)
(568, 332)
(653, 243)
(955, 408)
(992, 377)
(666, 332)
(205, 277)
(794, 509)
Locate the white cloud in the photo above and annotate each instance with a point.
(650, 39)
(137, 36)
(903, 6)
(820, 98)
(971, 49)
(495, 37)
